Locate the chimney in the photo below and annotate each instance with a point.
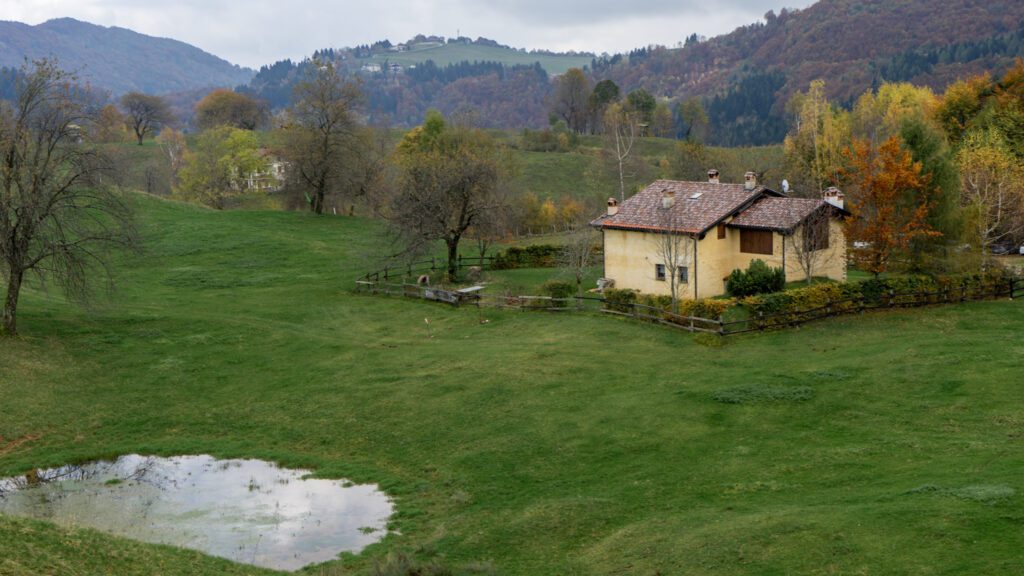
(668, 199)
(835, 197)
(749, 181)
(613, 206)
(713, 176)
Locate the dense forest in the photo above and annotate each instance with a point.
(502, 96)
(743, 78)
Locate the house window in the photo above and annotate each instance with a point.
(756, 241)
(721, 231)
(816, 233)
(659, 272)
(684, 274)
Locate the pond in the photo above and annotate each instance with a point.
(248, 511)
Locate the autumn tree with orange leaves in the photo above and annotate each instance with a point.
(890, 202)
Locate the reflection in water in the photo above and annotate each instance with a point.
(249, 511)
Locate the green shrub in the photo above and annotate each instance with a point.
(705, 308)
(758, 278)
(619, 299)
(558, 290)
(533, 256)
(555, 139)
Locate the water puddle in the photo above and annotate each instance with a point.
(248, 511)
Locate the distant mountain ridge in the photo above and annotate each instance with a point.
(851, 44)
(118, 59)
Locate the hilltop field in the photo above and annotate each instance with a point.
(888, 443)
(454, 53)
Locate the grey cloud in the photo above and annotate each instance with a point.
(255, 32)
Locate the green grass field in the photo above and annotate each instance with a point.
(455, 53)
(889, 443)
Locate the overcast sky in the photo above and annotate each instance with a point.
(256, 32)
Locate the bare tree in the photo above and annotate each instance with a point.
(810, 242)
(451, 178)
(146, 113)
(571, 99)
(674, 247)
(577, 254)
(490, 227)
(620, 133)
(173, 144)
(322, 137)
(992, 184)
(56, 214)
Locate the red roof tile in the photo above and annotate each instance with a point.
(779, 214)
(698, 206)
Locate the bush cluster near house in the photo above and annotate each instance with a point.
(758, 278)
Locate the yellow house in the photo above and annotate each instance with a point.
(688, 237)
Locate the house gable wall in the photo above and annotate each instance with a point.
(630, 258)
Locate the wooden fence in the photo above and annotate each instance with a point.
(369, 284)
(425, 267)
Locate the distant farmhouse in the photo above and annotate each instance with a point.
(715, 228)
(270, 179)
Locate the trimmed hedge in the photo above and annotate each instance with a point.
(534, 256)
(619, 299)
(801, 304)
(709, 310)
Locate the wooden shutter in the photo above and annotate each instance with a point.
(756, 241)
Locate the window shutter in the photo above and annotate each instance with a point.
(756, 241)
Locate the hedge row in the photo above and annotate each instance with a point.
(535, 256)
(624, 300)
(803, 303)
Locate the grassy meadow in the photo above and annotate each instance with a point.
(889, 443)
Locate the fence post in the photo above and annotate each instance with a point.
(721, 326)
(1012, 282)
(760, 321)
(385, 272)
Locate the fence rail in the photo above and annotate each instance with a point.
(1014, 288)
(413, 269)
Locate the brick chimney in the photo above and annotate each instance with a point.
(613, 206)
(668, 199)
(835, 197)
(749, 181)
(713, 176)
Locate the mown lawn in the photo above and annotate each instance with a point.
(890, 443)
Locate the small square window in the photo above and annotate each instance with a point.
(684, 274)
(659, 271)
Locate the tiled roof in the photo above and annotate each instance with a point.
(779, 214)
(698, 206)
